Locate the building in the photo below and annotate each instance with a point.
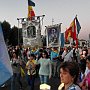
(83, 43)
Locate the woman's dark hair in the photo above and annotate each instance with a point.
(32, 55)
(45, 52)
(72, 68)
(88, 58)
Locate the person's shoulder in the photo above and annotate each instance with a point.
(87, 71)
(49, 59)
(27, 63)
(33, 61)
(75, 87)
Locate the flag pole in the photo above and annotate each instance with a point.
(18, 30)
(76, 34)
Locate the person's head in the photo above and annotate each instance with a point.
(54, 49)
(88, 61)
(31, 57)
(40, 50)
(44, 54)
(65, 48)
(69, 72)
(14, 55)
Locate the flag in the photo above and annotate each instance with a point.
(78, 26)
(73, 27)
(71, 31)
(62, 40)
(68, 34)
(5, 66)
(74, 35)
(31, 3)
(31, 13)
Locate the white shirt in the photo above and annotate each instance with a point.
(63, 54)
(87, 71)
(69, 56)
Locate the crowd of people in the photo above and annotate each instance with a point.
(70, 64)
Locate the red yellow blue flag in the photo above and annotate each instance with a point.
(78, 26)
(31, 13)
(31, 3)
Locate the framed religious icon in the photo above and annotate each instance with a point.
(53, 34)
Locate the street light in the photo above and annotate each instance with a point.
(18, 30)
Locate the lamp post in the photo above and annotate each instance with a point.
(39, 18)
(20, 20)
(18, 30)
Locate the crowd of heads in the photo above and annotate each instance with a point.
(73, 68)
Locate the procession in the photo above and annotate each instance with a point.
(54, 61)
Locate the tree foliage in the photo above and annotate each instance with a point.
(11, 34)
(6, 27)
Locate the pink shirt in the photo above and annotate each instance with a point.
(87, 81)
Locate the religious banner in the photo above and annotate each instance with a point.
(31, 31)
(53, 33)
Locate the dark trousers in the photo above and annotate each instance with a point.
(31, 80)
(14, 77)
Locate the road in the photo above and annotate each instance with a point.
(53, 82)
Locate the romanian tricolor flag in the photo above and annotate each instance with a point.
(31, 13)
(31, 3)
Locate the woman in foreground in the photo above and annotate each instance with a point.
(69, 72)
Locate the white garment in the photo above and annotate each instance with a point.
(69, 56)
(80, 51)
(72, 87)
(28, 53)
(87, 71)
(63, 54)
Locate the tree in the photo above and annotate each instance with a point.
(14, 36)
(11, 34)
(6, 27)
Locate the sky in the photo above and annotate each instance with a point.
(61, 11)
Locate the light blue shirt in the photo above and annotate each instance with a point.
(45, 66)
(54, 55)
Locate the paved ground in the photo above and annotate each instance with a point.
(53, 82)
